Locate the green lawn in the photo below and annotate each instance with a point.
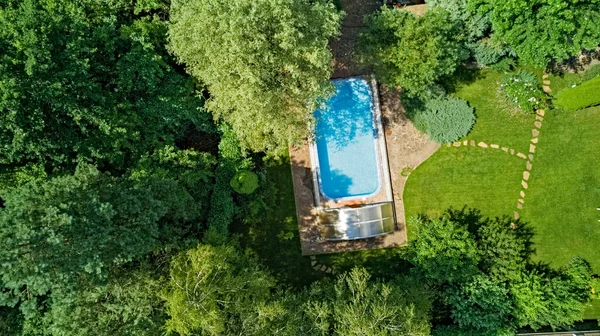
(275, 238)
(487, 179)
(563, 191)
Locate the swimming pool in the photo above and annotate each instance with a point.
(346, 142)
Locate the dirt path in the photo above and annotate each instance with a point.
(345, 48)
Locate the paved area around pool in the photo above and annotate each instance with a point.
(406, 148)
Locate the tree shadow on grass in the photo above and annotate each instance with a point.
(463, 76)
(272, 231)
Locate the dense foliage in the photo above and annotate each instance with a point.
(218, 290)
(412, 52)
(580, 96)
(74, 228)
(265, 63)
(103, 92)
(523, 90)
(445, 119)
(483, 272)
(542, 31)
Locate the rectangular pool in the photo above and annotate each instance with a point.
(346, 142)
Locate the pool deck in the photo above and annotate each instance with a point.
(406, 148)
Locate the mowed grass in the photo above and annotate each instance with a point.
(564, 189)
(498, 122)
(487, 179)
(275, 238)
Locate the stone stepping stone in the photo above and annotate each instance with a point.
(522, 193)
(504, 149)
(328, 270)
(494, 146)
(521, 201)
(525, 175)
(540, 118)
(546, 82)
(545, 76)
(541, 112)
(482, 144)
(312, 257)
(521, 155)
(316, 267)
(516, 215)
(535, 133)
(323, 267)
(531, 148)
(538, 124)
(519, 206)
(472, 143)
(529, 165)
(546, 89)
(524, 184)
(534, 140)
(313, 263)
(465, 143)
(456, 144)
(512, 151)
(530, 157)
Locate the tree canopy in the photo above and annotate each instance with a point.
(88, 81)
(412, 52)
(74, 228)
(540, 31)
(265, 63)
(484, 273)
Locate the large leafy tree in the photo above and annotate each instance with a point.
(540, 31)
(482, 270)
(217, 290)
(265, 63)
(68, 232)
(88, 80)
(412, 52)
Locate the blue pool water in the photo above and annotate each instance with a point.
(346, 142)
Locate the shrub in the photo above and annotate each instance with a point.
(445, 119)
(591, 73)
(522, 89)
(244, 182)
(579, 97)
(486, 52)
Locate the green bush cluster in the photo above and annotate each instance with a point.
(523, 90)
(445, 119)
(579, 97)
(591, 73)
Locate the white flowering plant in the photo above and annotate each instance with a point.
(523, 90)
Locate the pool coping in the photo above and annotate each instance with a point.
(380, 153)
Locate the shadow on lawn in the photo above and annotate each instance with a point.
(272, 232)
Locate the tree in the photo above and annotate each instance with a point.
(484, 274)
(412, 52)
(356, 305)
(105, 92)
(127, 305)
(265, 63)
(70, 230)
(540, 31)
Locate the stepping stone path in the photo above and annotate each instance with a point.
(535, 132)
(539, 118)
(320, 267)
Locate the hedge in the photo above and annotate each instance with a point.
(579, 97)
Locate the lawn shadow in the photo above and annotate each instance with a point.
(463, 76)
(272, 233)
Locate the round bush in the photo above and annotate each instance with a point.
(445, 119)
(244, 182)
